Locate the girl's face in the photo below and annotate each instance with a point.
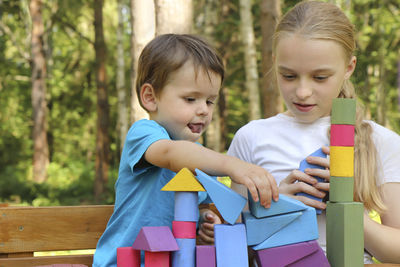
(310, 74)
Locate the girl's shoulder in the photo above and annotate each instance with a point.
(382, 133)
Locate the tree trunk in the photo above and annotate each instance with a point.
(174, 16)
(39, 105)
(250, 59)
(271, 100)
(122, 123)
(102, 139)
(143, 30)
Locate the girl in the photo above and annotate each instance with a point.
(314, 58)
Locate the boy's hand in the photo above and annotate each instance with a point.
(206, 227)
(258, 180)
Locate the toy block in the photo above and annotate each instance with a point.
(258, 230)
(184, 229)
(184, 180)
(155, 238)
(186, 207)
(205, 256)
(285, 204)
(304, 165)
(343, 111)
(342, 161)
(342, 135)
(229, 203)
(231, 245)
(157, 259)
(186, 255)
(302, 229)
(304, 254)
(128, 257)
(341, 189)
(345, 234)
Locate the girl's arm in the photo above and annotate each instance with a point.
(175, 155)
(383, 240)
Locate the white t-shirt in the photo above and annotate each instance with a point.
(279, 143)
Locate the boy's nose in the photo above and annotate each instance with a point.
(202, 109)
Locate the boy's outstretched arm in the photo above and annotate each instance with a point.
(175, 155)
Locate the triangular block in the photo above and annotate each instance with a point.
(284, 205)
(302, 229)
(258, 230)
(155, 238)
(229, 203)
(184, 180)
(299, 254)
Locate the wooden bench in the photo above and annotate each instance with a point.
(25, 230)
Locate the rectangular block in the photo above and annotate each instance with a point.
(342, 161)
(345, 234)
(343, 111)
(186, 255)
(157, 259)
(342, 135)
(341, 189)
(128, 257)
(184, 229)
(205, 256)
(231, 245)
(186, 207)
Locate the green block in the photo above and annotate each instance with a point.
(343, 111)
(341, 189)
(345, 234)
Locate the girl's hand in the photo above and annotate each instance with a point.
(259, 182)
(298, 181)
(206, 227)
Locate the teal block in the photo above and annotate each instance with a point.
(285, 204)
(343, 111)
(258, 230)
(345, 234)
(229, 203)
(231, 245)
(341, 189)
(302, 229)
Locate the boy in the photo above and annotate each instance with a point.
(179, 77)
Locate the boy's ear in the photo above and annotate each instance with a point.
(148, 97)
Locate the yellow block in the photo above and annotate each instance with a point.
(342, 161)
(184, 180)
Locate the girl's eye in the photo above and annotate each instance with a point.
(288, 77)
(320, 78)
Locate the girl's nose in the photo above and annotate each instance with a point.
(304, 90)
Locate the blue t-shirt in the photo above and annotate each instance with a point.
(139, 200)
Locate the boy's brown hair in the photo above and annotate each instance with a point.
(168, 52)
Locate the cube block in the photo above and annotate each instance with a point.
(341, 189)
(342, 161)
(128, 257)
(342, 135)
(343, 111)
(205, 256)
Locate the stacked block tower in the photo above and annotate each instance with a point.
(344, 228)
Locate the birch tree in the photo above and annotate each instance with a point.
(174, 16)
(39, 104)
(250, 58)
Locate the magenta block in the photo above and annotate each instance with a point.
(205, 256)
(342, 135)
(128, 257)
(303, 254)
(155, 238)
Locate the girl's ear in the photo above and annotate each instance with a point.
(350, 67)
(148, 97)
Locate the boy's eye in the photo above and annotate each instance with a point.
(190, 99)
(210, 102)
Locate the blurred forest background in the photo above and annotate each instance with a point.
(67, 68)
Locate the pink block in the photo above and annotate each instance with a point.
(205, 256)
(157, 259)
(128, 257)
(342, 135)
(184, 229)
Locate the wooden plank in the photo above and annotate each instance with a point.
(30, 229)
(35, 261)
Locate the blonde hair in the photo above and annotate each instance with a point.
(325, 21)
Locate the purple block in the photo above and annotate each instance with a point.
(303, 254)
(155, 238)
(205, 256)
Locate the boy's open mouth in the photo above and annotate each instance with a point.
(196, 127)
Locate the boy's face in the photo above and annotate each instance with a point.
(186, 103)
